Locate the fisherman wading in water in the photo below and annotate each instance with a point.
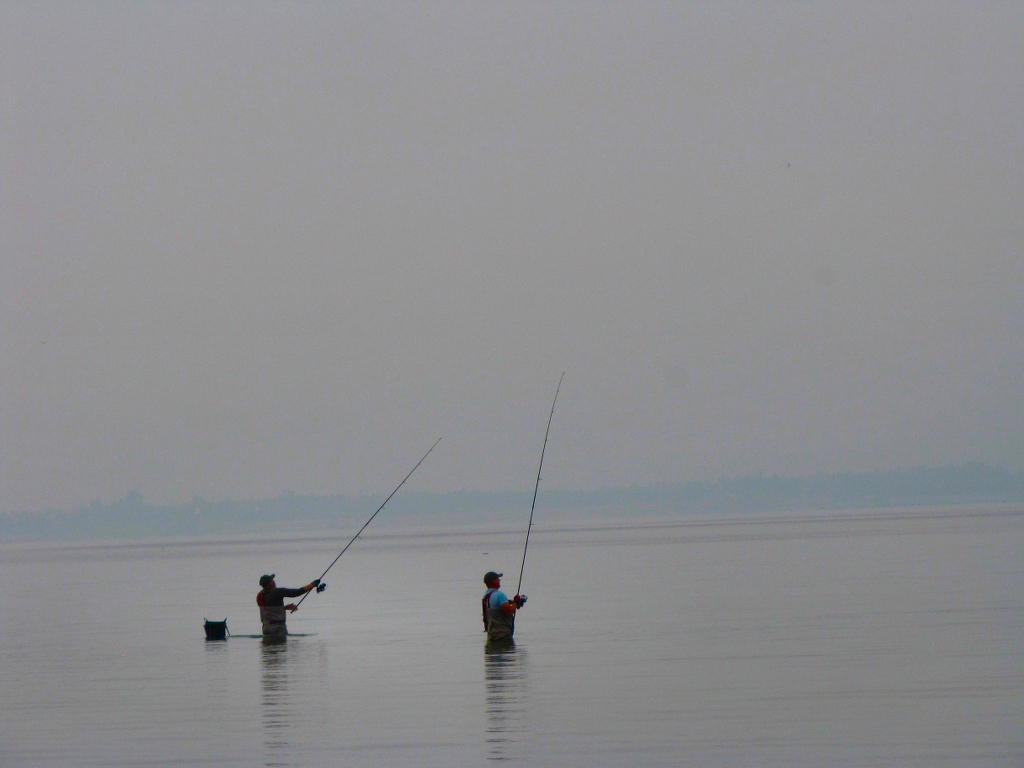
(272, 608)
(499, 611)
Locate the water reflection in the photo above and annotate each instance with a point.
(278, 712)
(505, 681)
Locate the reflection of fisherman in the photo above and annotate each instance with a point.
(272, 607)
(506, 698)
(499, 612)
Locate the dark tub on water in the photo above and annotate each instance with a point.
(216, 630)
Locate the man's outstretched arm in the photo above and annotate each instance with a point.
(285, 592)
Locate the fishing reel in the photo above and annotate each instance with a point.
(321, 586)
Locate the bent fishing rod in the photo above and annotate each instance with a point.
(369, 521)
(537, 486)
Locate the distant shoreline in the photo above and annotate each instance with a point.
(293, 518)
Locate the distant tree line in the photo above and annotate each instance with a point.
(132, 518)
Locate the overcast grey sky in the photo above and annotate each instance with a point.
(252, 248)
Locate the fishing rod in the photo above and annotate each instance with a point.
(318, 589)
(537, 486)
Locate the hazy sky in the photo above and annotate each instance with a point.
(253, 248)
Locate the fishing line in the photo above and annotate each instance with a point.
(371, 518)
(537, 486)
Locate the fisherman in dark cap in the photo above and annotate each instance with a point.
(499, 611)
(272, 607)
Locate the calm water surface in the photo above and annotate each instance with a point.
(875, 638)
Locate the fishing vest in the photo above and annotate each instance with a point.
(272, 617)
(498, 624)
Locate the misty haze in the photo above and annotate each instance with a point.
(255, 258)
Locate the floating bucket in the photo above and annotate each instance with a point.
(216, 630)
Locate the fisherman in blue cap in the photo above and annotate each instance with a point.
(272, 607)
(499, 611)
